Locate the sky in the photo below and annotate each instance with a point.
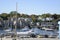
(30, 6)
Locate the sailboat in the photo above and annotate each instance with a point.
(24, 32)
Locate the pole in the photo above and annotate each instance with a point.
(15, 22)
(16, 18)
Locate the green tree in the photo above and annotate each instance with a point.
(24, 15)
(46, 15)
(14, 14)
(4, 16)
(34, 17)
(55, 16)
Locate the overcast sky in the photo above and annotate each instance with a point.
(30, 6)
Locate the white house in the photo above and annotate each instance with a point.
(45, 19)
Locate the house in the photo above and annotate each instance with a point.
(49, 18)
(45, 19)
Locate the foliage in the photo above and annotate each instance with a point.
(4, 16)
(34, 17)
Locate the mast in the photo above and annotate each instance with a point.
(16, 18)
(16, 6)
(15, 22)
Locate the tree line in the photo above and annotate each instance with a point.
(34, 17)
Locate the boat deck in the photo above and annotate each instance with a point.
(30, 38)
